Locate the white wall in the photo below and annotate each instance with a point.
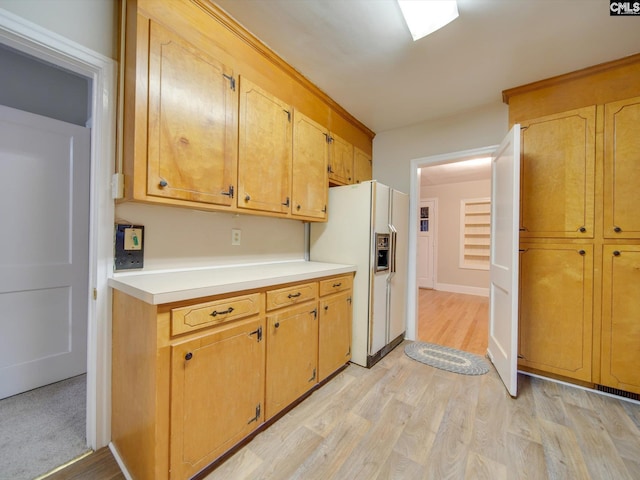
(184, 238)
(393, 150)
(91, 23)
(450, 276)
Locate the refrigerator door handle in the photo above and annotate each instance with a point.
(394, 237)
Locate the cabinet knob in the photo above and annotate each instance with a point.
(298, 207)
(163, 183)
(617, 229)
(326, 307)
(582, 252)
(277, 324)
(247, 197)
(616, 253)
(583, 229)
(188, 356)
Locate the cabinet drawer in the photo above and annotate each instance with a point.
(283, 297)
(193, 317)
(336, 284)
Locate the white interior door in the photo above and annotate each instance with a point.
(44, 250)
(426, 227)
(503, 290)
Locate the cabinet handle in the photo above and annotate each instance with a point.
(215, 313)
(294, 295)
(335, 285)
(582, 252)
(229, 193)
(163, 182)
(247, 197)
(582, 229)
(617, 229)
(616, 253)
(188, 356)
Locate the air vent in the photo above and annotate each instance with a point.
(619, 393)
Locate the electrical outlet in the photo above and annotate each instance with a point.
(236, 236)
(129, 247)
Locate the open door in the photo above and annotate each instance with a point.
(503, 290)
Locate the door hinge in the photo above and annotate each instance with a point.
(349, 300)
(232, 81)
(324, 209)
(287, 203)
(258, 412)
(258, 333)
(288, 114)
(521, 356)
(229, 193)
(315, 312)
(313, 377)
(95, 293)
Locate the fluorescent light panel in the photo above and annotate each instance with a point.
(426, 16)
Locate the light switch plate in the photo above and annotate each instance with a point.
(129, 247)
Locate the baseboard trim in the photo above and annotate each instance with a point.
(447, 287)
(119, 461)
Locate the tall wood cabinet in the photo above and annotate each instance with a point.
(579, 228)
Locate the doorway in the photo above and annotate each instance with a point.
(453, 311)
(59, 52)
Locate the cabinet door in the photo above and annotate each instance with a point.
(264, 155)
(621, 317)
(192, 122)
(556, 294)
(310, 159)
(292, 355)
(362, 166)
(334, 342)
(557, 175)
(340, 161)
(217, 393)
(622, 169)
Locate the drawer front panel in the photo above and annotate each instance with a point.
(201, 315)
(284, 297)
(336, 284)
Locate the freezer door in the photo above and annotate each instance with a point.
(399, 224)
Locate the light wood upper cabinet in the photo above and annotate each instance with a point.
(362, 166)
(340, 161)
(264, 151)
(192, 122)
(621, 317)
(558, 175)
(217, 394)
(310, 160)
(622, 169)
(556, 301)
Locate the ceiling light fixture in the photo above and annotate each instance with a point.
(426, 16)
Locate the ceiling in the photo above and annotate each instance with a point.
(360, 53)
(457, 172)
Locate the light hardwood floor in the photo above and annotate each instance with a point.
(405, 420)
(453, 320)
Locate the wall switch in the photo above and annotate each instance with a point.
(129, 247)
(236, 236)
(133, 239)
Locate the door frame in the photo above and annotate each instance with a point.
(36, 41)
(414, 194)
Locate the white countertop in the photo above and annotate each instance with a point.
(164, 287)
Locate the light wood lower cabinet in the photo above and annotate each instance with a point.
(556, 301)
(217, 393)
(621, 317)
(292, 355)
(192, 379)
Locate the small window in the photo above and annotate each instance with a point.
(475, 232)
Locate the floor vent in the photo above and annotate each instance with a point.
(620, 393)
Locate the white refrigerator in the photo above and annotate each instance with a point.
(368, 227)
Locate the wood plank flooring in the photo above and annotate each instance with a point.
(454, 320)
(405, 420)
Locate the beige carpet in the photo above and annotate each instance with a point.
(42, 429)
